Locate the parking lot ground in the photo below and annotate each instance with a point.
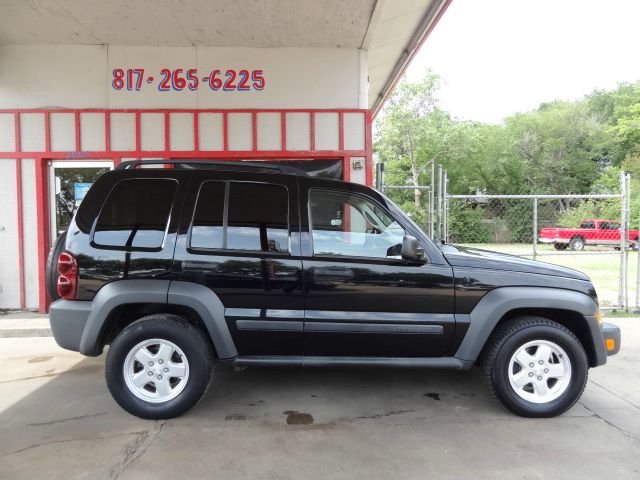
(58, 421)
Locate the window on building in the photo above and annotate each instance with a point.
(351, 225)
(136, 213)
(257, 218)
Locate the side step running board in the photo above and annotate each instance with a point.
(307, 361)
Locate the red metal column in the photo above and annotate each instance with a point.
(42, 217)
(225, 131)
(196, 131)
(283, 131)
(368, 147)
(312, 131)
(341, 131)
(254, 131)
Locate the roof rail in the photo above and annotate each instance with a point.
(210, 164)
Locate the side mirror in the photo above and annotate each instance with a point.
(410, 248)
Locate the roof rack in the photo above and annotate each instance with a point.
(217, 165)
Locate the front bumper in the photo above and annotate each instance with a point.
(612, 336)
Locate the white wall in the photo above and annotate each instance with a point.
(9, 285)
(30, 233)
(79, 76)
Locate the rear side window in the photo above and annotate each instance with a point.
(609, 226)
(136, 213)
(587, 225)
(254, 217)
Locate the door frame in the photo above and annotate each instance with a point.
(53, 164)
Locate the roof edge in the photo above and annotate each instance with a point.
(426, 26)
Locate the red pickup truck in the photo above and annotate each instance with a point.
(592, 231)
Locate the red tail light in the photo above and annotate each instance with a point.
(67, 286)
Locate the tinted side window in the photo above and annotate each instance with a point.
(206, 231)
(136, 214)
(587, 225)
(609, 226)
(257, 217)
(351, 225)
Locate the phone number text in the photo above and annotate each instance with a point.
(178, 79)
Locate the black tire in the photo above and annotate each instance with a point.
(51, 271)
(186, 337)
(506, 341)
(560, 246)
(576, 244)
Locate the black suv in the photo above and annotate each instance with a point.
(178, 268)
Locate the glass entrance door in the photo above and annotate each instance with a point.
(68, 184)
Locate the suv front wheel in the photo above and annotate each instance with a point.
(536, 367)
(159, 366)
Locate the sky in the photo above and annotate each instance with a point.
(499, 57)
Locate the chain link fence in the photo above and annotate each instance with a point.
(589, 233)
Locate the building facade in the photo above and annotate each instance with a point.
(70, 111)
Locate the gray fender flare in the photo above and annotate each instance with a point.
(495, 304)
(113, 295)
(192, 295)
(210, 309)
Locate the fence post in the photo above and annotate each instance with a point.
(439, 211)
(535, 227)
(379, 175)
(627, 227)
(637, 249)
(623, 237)
(432, 192)
(445, 209)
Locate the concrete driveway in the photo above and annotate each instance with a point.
(58, 421)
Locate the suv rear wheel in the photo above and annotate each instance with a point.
(160, 366)
(536, 367)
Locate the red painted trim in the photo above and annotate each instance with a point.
(167, 132)
(116, 162)
(368, 148)
(138, 147)
(346, 169)
(204, 154)
(107, 131)
(42, 216)
(254, 131)
(225, 131)
(76, 121)
(312, 131)
(47, 131)
(283, 131)
(19, 209)
(340, 131)
(196, 131)
(346, 176)
(183, 110)
(16, 132)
